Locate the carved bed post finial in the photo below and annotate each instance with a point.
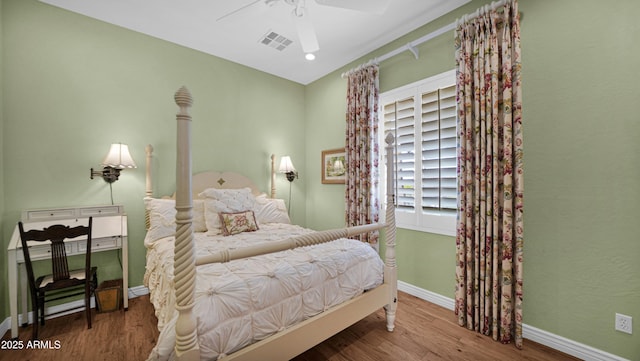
(184, 100)
(184, 258)
(391, 269)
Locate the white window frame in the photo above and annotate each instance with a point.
(432, 221)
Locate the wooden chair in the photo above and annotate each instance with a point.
(61, 283)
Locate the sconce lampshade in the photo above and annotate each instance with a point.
(286, 166)
(119, 157)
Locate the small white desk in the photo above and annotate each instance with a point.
(109, 232)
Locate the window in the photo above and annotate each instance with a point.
(423, 116)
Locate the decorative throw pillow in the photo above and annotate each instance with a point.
(238, 222)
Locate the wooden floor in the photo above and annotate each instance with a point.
(423, 332)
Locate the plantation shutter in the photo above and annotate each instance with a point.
(438, 112)
(399, 118)
(448, 149)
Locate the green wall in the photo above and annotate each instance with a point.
(73, 85)
(582, 165)
(88, 84)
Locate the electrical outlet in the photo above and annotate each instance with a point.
(624, 323)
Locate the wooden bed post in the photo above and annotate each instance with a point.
(184, 259)
(390, 269)
(273, 176)
(149, 187)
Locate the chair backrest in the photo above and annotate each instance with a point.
(56, 234)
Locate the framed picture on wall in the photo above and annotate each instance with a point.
(333, 166)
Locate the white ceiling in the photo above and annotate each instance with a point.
(343, 35)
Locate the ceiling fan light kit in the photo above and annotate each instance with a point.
(302, 21)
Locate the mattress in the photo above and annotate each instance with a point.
(244, 301)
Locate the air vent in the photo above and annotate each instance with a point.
(275, 40)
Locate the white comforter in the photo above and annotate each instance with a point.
(244, 301)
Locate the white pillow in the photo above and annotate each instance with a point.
(225, 201)
(199, 224)
(162, 217)
(271, 210)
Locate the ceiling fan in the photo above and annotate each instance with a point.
(302, 21)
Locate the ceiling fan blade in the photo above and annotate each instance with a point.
(306, 33)
(238, 10)
(371, 6)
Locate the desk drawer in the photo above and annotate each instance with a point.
(42, 252)
(100, 211)
(44, 214)
(100, 244)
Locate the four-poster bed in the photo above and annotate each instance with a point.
(324, 281)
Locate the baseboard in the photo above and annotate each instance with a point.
(67, 308)
(138, 291)
(548, 339)
(438, 299)
(5, 326)
(567, 346)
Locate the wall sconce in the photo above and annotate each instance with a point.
(286, 167)
(117, 159)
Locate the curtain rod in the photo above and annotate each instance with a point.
(411, 46)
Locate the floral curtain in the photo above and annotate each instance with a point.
(490, 227)
(361, 150)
